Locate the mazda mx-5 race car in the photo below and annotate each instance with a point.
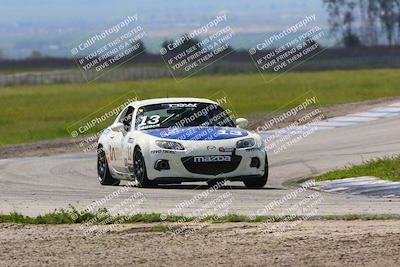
(174, 140)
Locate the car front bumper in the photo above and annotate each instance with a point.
(183, 166)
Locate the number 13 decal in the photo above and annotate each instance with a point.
(144, 120)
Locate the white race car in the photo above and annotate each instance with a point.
(175, 140)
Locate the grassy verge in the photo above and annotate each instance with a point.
(385, 168)
(32, 113)
(103, 218)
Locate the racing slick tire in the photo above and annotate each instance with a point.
(258, 182)
(139, 169)
(103, 172)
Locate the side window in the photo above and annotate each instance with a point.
(126, 118)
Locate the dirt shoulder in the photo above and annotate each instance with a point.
(312, 243)
(41, 149)
(70, 145)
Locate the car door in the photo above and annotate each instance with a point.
(120, 148)
(128, 144)
(119, 139)
(110, 149)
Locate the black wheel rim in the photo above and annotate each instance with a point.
(138, 165)
(101, 164)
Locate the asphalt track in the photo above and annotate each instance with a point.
(38, 185)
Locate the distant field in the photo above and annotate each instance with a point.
(31, 113)
(14, 70)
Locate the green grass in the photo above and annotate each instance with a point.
(385, 168)
(32, 113)
(72, 216)
(15, 70)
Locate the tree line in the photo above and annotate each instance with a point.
(364, 22)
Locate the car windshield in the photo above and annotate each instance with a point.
(177, 115)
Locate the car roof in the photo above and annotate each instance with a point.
(170, 100)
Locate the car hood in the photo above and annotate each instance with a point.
(199, 133)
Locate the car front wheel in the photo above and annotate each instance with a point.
(139, 169)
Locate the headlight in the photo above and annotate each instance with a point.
(245, 143)
(169, 145)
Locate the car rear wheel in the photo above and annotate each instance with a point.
(258, 182)
(139, 169)
(103, 172)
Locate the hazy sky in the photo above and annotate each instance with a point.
(38, 24)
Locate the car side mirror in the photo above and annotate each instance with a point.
(242, 123)
(118, 127)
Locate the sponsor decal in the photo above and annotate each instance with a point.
(212, 158)
(111, 154)
(226, 149)
(130, 153)
(211, 148)
(199, 133)
(161, 151)
(253, 149)
(181, 105)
